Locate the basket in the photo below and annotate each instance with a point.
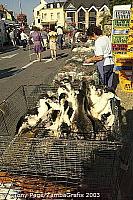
(74, 164)
(126, 80)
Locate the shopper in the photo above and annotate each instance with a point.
(24, 39)
(44, 35)
(18, 38)
(103, 55)
(12, 37)
(52, 42)
(60, 37)
(37, 38)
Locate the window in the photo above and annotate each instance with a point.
(42, 15)
(48, 5)
(81, 19)
(71, 16)
(92, 17)
(55, 5)
(58, 5)
(52, 16)
(81, 16)
(51, 5)
(37, 13)
(45, 16)
(38, 21)
(58, 15)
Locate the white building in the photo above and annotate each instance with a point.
(36, 13)
(82, 13)
(49, 13)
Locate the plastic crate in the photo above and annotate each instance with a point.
(119, 52)
(126, 80)
(124, 60)
(122, 14)
(119, 47)
(120, 31)
(121, 23)
(119, 39)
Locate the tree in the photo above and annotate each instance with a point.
(105, 18)
(105, 21)
(22, 18)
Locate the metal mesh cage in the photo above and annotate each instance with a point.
(88, 165)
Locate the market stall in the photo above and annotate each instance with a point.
(63, 140)
(124, 62)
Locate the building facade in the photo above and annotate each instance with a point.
(79, 13)
(53, 14)
(84, 13)
(36, 13)
(49, 14)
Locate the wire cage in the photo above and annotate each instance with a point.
(77, 165)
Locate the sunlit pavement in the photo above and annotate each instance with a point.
(20, 67)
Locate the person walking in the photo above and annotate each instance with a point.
(18, 39)
(60, 37)
(37, 38)
(52, 42)
(24, 39)
(44, 35)
(12, 37)
(103, 55)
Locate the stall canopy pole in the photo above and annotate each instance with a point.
(20, 6)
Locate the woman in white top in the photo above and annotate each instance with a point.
(103, 55)
(52, 43)
(24, 39)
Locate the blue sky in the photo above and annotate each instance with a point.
(27, 6)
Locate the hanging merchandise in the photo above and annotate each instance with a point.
(120, 28)
(125, 62)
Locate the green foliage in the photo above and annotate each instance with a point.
(106, 17)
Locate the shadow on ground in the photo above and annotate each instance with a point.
(126, 157)
(127, 122)
(7, 49)
(59, 56)
(4, 73)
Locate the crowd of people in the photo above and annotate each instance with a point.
(55, 38)
(52, 38)
(44, 38)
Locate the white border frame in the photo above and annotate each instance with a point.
(93, 7)
(104, 7)
(82, 9)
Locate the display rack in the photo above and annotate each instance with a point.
(125, 62)
(120, 29)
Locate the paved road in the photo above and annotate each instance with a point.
(16, 69)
